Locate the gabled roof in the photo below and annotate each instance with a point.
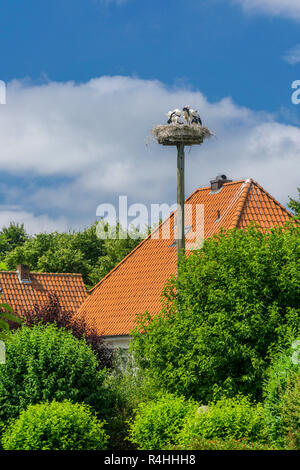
(136, 283)
(69, 288)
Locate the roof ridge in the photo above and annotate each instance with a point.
(241, 204)
(273, 198)
(7, 272)
(43, 273)
(224, 184)
(56, 274)
(152, 232)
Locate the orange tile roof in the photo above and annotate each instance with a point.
(136, 283)
(69, 288)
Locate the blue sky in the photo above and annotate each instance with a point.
(74, 67)
(211, 45)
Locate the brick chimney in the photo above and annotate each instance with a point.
(23, 274)
(217, 183)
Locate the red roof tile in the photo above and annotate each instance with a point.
(69, 288)
(136, 283)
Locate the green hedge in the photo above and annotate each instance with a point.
(55, 426)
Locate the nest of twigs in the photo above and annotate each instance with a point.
(174, 134)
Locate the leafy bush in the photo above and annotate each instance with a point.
(45, 363)
(55, 426)
(275, 387)
(128, 386)
(158, 422)
(228, 418)
(234, 303)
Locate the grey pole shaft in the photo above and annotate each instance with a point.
(180, 200)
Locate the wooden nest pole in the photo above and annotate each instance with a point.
(180, 135)
(180, 242)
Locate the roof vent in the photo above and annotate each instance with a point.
(217, 183)
(23, 274)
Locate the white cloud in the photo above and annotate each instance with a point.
(293, 55)
(287, 8)
(75, 146)
(33, 223)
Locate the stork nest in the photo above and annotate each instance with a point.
(175, 134)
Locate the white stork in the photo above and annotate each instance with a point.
(174, 117)
(187, 114)
(170, 116)
(196, 119)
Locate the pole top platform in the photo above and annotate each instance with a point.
(181, 134)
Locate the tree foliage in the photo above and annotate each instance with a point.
(68, 252)
(234, 302)
(12, 236)
(294, 204)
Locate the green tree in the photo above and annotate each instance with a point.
(12, 236)
(50, 252)
(235, 301)
(46, 363)
(294, 204)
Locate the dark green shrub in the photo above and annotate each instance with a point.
(128, 386)
(233, 304)
(47, 363)
(275, 387)
(55, 426)
(228, 418)
(158, 422)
